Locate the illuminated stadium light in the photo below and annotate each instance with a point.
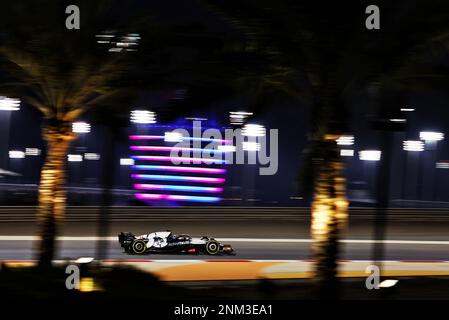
(227, 148)
(345, 140)
(398, 120)
(253, 130)
(176, 178)
(407, 109)
(32, 151)
(172, 137)
(132, 36)
(431, 136)
(105, 38)
(141, 186)
(104, 35)
(16, 154)
(346, 152)
(238, 117)
(80, 127)
(142, 196)
(442, 165)
(179, 169)
(143, 117)
(74, 157)
(251, 146)
(126, 162)
(125, 44)
(370, 155)
(9, 104)
(173, 149)
(179, 159)
(117, 43)
(413, 145)
(92, 156)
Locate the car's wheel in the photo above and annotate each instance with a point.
(212, 247)
(139, 246)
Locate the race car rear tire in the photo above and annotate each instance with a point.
(212, 247)
(139, 247)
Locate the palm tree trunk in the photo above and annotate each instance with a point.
(52, 195)
(329, 216)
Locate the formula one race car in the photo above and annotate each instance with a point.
(167, 242)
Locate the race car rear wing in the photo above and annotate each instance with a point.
(126, 239)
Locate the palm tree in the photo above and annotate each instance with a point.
(300, 47)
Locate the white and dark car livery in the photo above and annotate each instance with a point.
(167, 242)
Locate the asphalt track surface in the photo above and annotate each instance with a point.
(407, 239)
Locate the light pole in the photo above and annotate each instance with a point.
(7, 106)
(431, 139)
(252, 146)
(388, 122)
(16, 162)
(405, 111)
(81, 128)
(413, 146)
(369, 157)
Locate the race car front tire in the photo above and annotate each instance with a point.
(212, 247)
(139, 246)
